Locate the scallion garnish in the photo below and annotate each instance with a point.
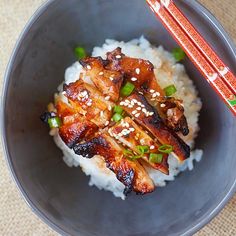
(127, 152)
(127, 89)
(170, 90)
(178, 54)
(117, 117)
(80, 53)
(118, 109)
(155, 157)
(135, 157)
(165, 149)
(130, 155)
(54, 122)
(142, 149)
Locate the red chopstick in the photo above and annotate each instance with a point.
(202, 45)
(205, 62)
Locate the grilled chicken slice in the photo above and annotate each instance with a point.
(79, 130)
(130, 173)
(131, 135)
(88, 101)
(107, 81)
(75, 128)
(141, 74)
(148, 117)
(137, 71)
(171, 111)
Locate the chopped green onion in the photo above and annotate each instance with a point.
(117, 117)
(80, 53)
(178, 54)
(128, 152)
(54, 122)
(143, 149)
(118, 109)
(165, 149)
(170, 90)
(127, 89)
(155, 158)
(130, 155)
(136, 157)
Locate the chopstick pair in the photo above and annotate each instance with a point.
(198, 50)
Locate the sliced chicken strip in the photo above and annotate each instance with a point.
(132, 136)
(138, 71)
(148, 117)
(88, 101)
(107, 81)
(75, 127)
(130, 173)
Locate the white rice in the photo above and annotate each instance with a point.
(167, 72)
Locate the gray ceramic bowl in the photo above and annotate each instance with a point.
(61, 195)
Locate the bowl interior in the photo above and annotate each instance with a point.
(61, 194)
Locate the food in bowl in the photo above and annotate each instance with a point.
(128, 116)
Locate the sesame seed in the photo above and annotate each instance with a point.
(109, 108)
(134, 112)
(142, 105)
(89, 104)
(122, 103)
(154, 95)
(132, 129)
(107, 123)
(127, 101)
(144, 110)
(107, 98)
(137, 115)
(139, 103)
(152, 147)
(89, 67)
(151, 113)
(163, 105)
(110, 132)
(127, 125)
(134, 79)
(120, 134)
(152, 91)
(142, 141)
(137, 70)
(158, 94)
(118, 56)
(111, 78)
(101, 113)
(101, 73)
(138, 108)
(130, 106)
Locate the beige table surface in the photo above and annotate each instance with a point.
(16, 218)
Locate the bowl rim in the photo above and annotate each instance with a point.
(204, 220)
